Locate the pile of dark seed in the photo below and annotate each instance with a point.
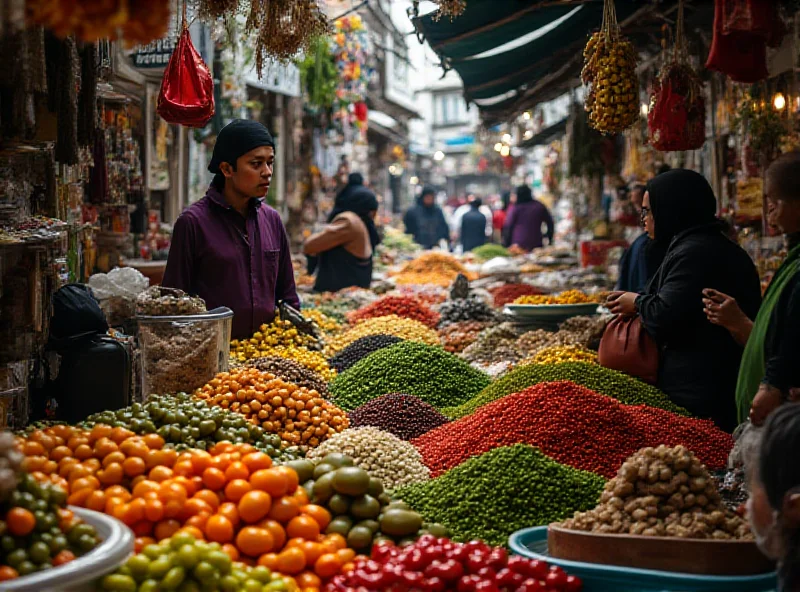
(359, 349)
(405, 416)
(465, 309)
(291, 371)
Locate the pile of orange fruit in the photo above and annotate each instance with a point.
(299, 416)
(231, 495)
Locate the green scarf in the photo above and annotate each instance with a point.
(751, 371)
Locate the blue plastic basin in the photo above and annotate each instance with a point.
(532, 543)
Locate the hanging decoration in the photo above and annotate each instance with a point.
(139, 22)
(187, 89)
(319, 74)
(610, 73)
(284, 27)
(743, 29)
(677, 116)
(351, 49)
(450, 8)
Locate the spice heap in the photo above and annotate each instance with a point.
(457, 336)
(489, 251)
(360, 349)
(429, 372)
(532, 342)
(510, 292)
(493, 495)
(431, 268)
(496, 344)
(313, 360)
(568, 297)
(278, 334)
(291, 371)
(158, 301)
(390, 325)
(662, 492)
(405, 416)
(452, 566)
(402, 306)
(585, 329)
(186, 422)
(299, 416)
(427, 293)
(384, 456)
(573, 425)
(601, 380)
(559, 354)
(471, 308)
(326, 323)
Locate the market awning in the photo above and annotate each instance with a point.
(546, 135)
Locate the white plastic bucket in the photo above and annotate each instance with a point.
(81, 574)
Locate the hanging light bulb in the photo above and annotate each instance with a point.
(505, 151)
(498, 147)
(645, 109)
(526, 116)
(507, 138)
(779, 101)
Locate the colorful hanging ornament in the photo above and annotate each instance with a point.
(351, 48)
(676, 119)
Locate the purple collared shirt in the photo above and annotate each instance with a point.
(227, 260)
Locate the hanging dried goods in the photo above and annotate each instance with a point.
(407, 329)
(299, 416)
(284, 27)
(426, 371)
(573, 425)
(392, 461)
(291, 371)
(609, 72)
(405, 416)
(662, 492)
(401, 306)
(601, 380)
(493, 495)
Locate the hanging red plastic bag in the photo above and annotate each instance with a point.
(755, 18)
(677, 116)
(187, 89)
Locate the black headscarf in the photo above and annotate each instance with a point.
(524, 194)
(234, 140)
(427, 190)
(506, 197)
(680, 199)
(360, 200)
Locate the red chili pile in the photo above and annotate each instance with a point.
(510, 292)
(402, 306)
(439, 565)
(573, 425)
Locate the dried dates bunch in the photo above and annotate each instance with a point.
(284, 27)
(610, 73)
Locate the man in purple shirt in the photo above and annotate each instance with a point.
(230, 248)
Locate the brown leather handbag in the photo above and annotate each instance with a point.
(627, 347)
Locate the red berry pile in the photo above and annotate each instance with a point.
(510, 292)
(573, 425)
(440, 565)
(402, 306)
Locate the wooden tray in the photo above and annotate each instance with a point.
(691, 556)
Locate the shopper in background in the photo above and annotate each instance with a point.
(473, 226)
(425, 221)
(773, 508)
(343, 250)
(524, 222)
(771, 362)
(463, 210)
(699, 360)
(499, 216)
(230, 248)
(635, 268)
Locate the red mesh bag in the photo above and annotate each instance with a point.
(187, 89)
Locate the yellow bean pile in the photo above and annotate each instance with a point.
(562, 353)
(568, 297)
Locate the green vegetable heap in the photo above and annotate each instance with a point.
(186, 422)
(611, 383)
(490, 251)
(493, 495)
(428, 372)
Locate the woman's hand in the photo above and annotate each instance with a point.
(767, 400)
(723, 310)
(622, 303)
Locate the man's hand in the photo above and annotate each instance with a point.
(622, 303)
(767, 400)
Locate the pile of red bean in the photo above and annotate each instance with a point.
(403, 306)
(573, 425)
(456, 337)
(510, 292)
(405, 416)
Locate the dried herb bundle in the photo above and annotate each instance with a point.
(284, 27)
(451, 8)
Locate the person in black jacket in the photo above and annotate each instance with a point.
(425, 221)
(771, 364)
(699, 360)
(473, 226)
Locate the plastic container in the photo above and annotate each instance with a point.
(532, 543)
(81, 574)
(182, 353)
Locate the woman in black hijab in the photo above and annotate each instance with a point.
(343, 250)
(699, 361)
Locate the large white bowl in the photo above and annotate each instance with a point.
(81, 574)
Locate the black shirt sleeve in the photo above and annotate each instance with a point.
(782, 350)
